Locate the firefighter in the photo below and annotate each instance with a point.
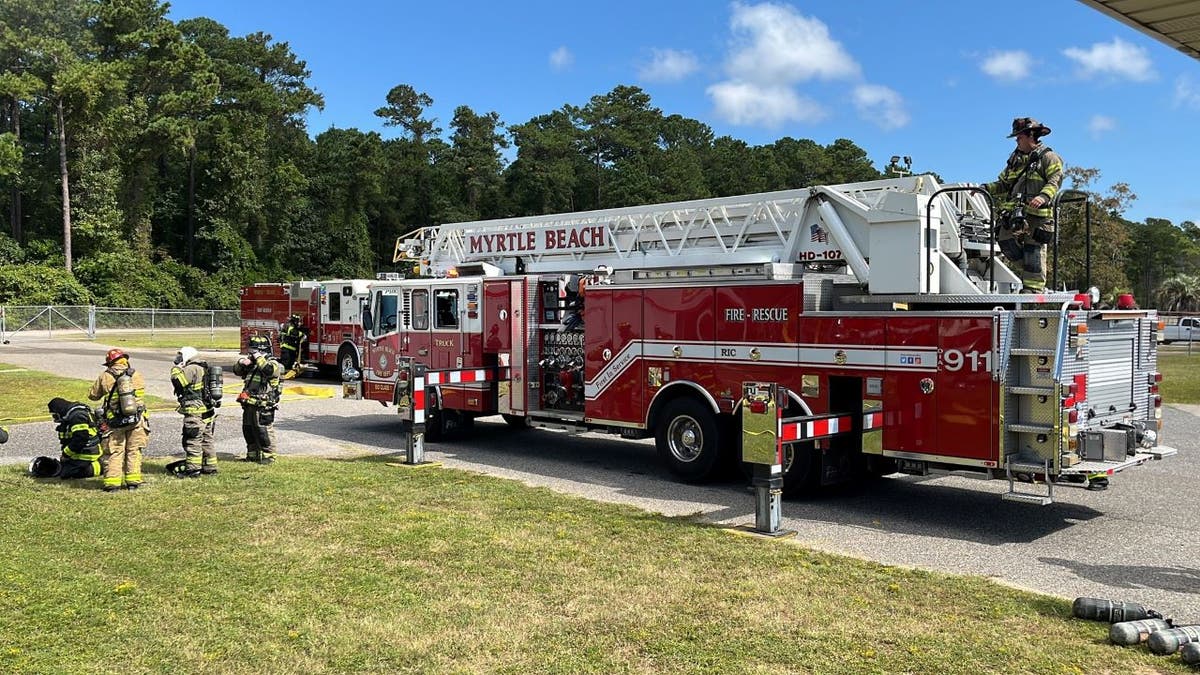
(291, 336)
(1025, 192)
(125, 424)
(259, 399)
(79, 434)
(199, 415)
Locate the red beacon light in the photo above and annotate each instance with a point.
(1126, 301)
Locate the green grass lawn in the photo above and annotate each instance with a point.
(222, 338)
(26, 392)
(1181, 377)
(316, 566)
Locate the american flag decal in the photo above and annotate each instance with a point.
(819, 235)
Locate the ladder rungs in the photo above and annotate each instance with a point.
(1032, 391)
(1030, 428)
(1031, 351)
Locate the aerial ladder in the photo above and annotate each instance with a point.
(927, 239)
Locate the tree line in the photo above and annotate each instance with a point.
(148, 162)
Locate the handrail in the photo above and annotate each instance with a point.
(991, 233)
(1076, 196)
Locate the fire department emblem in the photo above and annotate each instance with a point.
(385, 361)
(839, 357)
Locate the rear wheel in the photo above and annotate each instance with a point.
(435, 419)
(516, 421)
(801, 469)
(688, 439)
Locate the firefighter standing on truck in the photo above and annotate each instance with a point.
(126, 426)
(259, 399)
(1025, 192)
(199, 414)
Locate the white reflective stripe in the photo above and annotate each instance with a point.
(843, 356)
(613, 369)
(458, 376)
(912, 358)
(418, 400)
(743, 352)
(687, 350)
(846, 357)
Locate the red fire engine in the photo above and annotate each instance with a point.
(330, 312)
(881, 309)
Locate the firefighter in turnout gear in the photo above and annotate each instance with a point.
(126, 424)
(79, 435)
(1024, 194)
(291, 337)
(199, 414)
(259, 399)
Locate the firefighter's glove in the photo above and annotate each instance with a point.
(243, 397)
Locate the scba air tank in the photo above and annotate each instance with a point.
(1191, 653)
(214, 384)
(1112, 611)
(1135, 632)
(1169, 641)
(126, 395)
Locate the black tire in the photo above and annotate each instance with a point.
(516, 421)
(347, 357)
(801, 469)
(688, 440)
(435, 420)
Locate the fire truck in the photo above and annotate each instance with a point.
(895, 332)
(330, 312)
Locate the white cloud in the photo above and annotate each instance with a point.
(1187, 94)
(762, 105)
(775, 44)
(1100, 125)
(1008, 66)
(881, 106)
(668, 65)
(561, 58)
(1116, 59)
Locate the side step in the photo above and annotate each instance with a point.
(1013, 495)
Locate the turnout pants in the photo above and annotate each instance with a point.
(1027, 250)
(259, 432)
(123, 448)
(78, 468)
(198, 451)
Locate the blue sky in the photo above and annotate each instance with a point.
(938, 81)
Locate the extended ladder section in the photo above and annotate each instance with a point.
(1079, 395)
(928, 240)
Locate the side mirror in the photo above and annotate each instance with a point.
(367, 324)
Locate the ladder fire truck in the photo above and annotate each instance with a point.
(329, 310)
(881, 309)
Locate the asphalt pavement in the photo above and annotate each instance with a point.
(1138, 541)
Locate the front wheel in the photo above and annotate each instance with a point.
(688, 439)
(347, 359)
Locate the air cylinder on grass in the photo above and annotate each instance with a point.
(1112, 611)
(1169, 641)
(1191, 653)
(1136, 632)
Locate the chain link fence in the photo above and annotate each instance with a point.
(86, 322)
